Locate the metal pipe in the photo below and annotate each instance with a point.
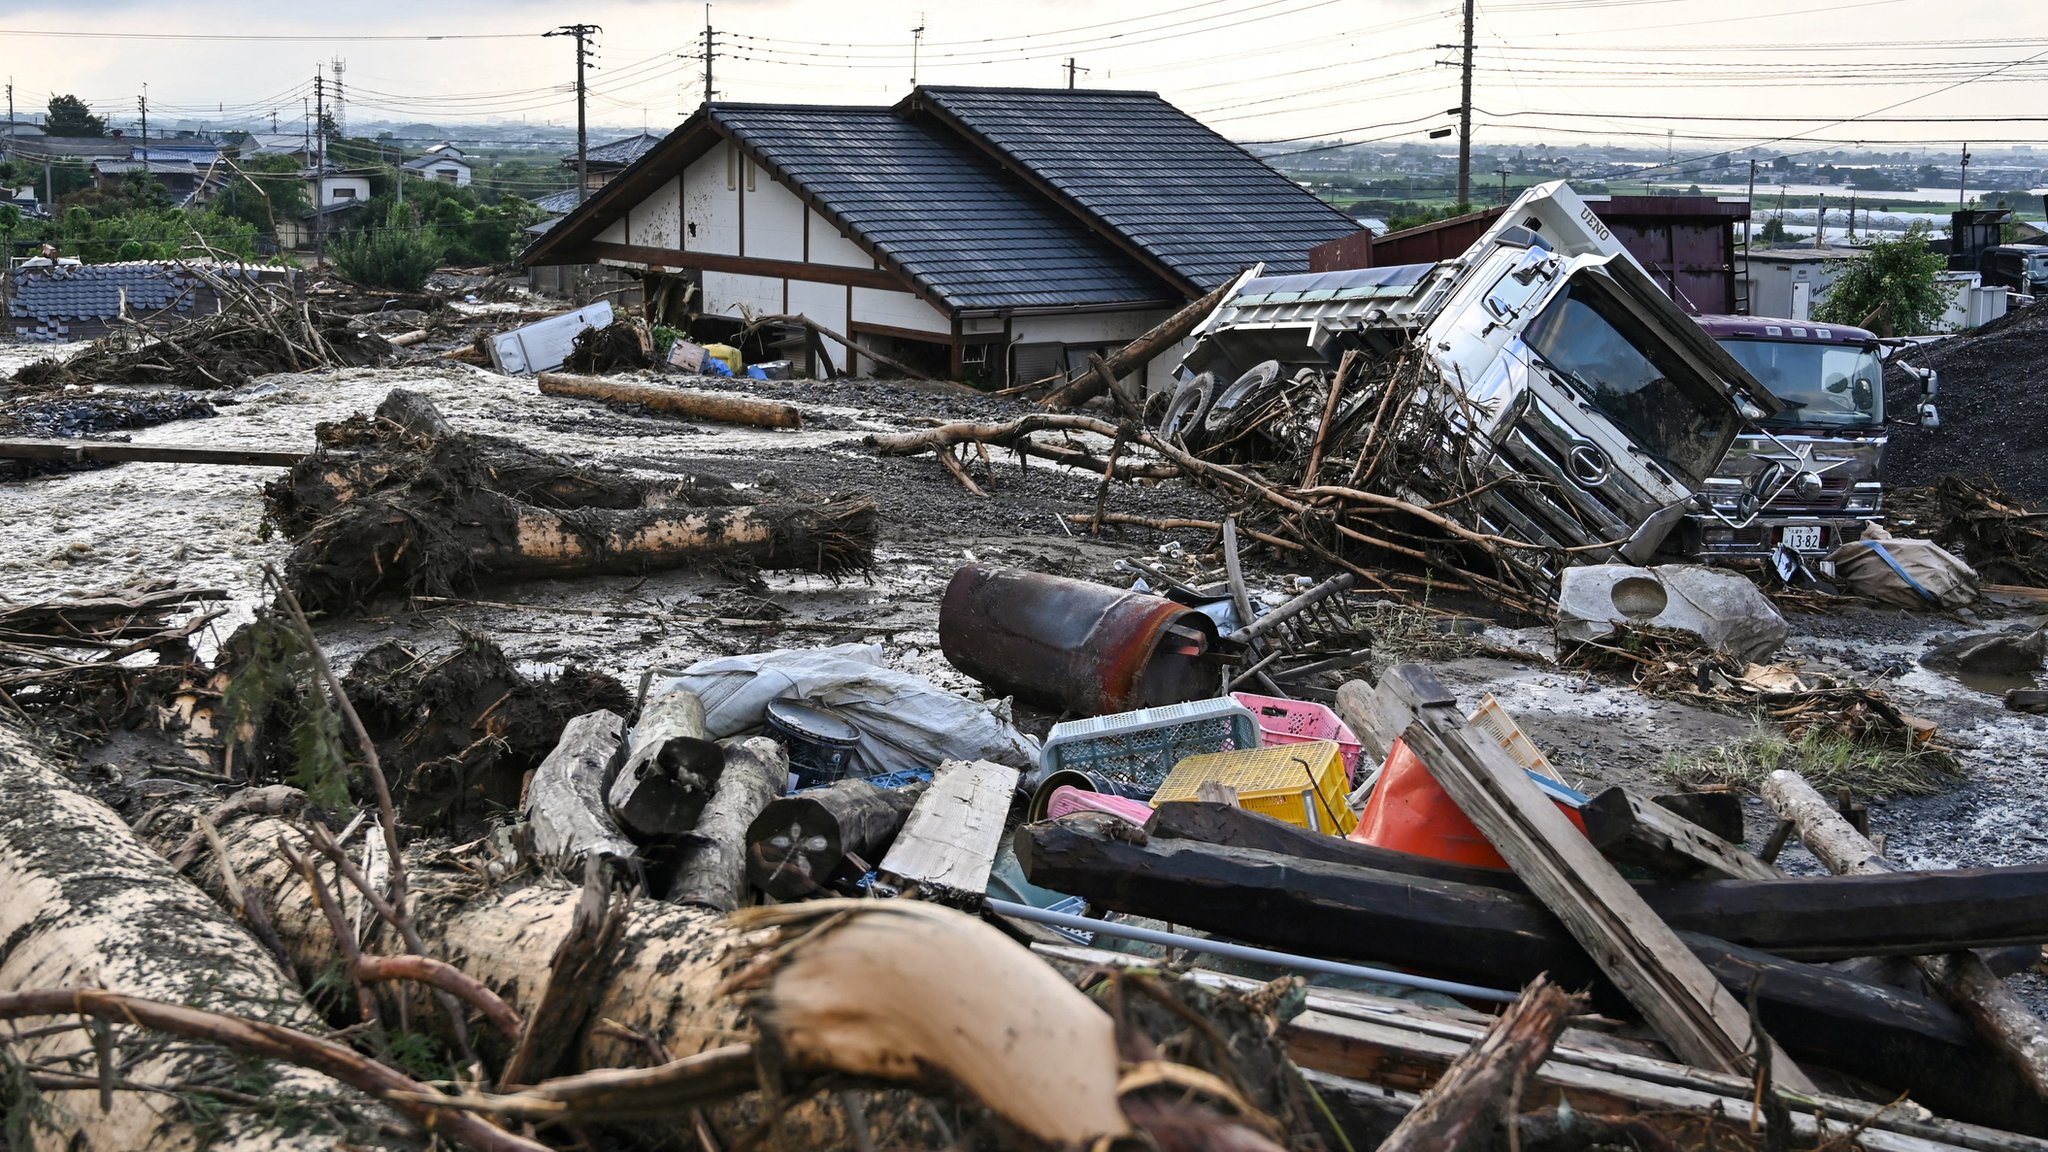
(1246, 952)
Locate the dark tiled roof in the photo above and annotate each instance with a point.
(1175, 189)
(44, 302)
(617, 153)
(558, 203)
(927, 201)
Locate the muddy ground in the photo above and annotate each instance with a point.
(204, 525)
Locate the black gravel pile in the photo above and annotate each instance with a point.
(1994, 409)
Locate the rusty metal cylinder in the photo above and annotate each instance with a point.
(1087, 648)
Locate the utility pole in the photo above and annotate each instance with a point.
(1503, 172)
(320, 168)
(582, 34)
(710, 52)
(1465, 114)
(1748, 223)
(916, 42)
(1963, 185)
(1820, 223)
(10, 89)
(142, 103)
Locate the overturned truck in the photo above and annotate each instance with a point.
(1564, 400)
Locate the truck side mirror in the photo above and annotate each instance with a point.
(1930, 416)
(1930, 382)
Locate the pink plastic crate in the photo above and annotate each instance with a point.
(1284, 721)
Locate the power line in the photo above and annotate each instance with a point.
(77, 34)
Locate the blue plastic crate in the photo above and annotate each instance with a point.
(1135, 750)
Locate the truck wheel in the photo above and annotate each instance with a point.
(1240, 395)
(1184, 411)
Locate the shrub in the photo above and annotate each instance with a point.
(1894, 285)
(397, 255)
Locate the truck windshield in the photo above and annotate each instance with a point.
(1838, 385)
(1634, 379)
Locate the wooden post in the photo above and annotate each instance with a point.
(1629, 831)
(1673, 990)
(2005, 1023)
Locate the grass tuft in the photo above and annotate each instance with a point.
(1828, 762)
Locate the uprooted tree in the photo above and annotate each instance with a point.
(401, 502)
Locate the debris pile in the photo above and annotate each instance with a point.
(2005, 542)
(260, 328)
(105, 660)
(402, 503)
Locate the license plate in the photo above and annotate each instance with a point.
(1801, 537)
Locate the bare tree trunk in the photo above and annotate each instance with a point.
(88, 905)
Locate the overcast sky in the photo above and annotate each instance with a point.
(1604, 71)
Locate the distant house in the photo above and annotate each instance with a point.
(39, 149)
(178, 177)
(443, 162)
(296, 145)
(607, 160)
(1002, 234)
(329, 186)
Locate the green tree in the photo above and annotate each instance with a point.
(1773, 231)
(1894, 285)
(69, 116)
(272, 178)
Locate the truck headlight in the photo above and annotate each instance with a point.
(1863, 502)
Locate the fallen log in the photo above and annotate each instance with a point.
(565, 802)
(447, 543)
(1483, 1087)
(661, 398)
(1495, 937)
(1798, 917)
(809, 986)
(1628, 830)
(670, 768)
(800, 842)
(89, 906)
(2007, 1025)
(1139, 352)
(712, 870)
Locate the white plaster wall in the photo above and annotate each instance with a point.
(711, 211)
(829, 247)
(774, 221)
(656, 221)
(725, 292)
(332, 188)
(614, 232)
(1101, 328)
(895, 310)
(826, 304)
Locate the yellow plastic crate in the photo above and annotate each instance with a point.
(1302, 784)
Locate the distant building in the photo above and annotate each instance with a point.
(444, 163)
(179, 177)
(1003, 234)
(1791, 282)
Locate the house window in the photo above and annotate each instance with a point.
(445, 175)
(344, 193)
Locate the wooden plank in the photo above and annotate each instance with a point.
(2007, 1025)
(1577, 1047)
(671, 259)
(1480, 1089)
(1409, 1061)
(1641, 955)
(1628, 830)
(83, 451)
(947, 846)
